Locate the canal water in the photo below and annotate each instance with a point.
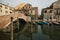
(37, 32)
(34, 33)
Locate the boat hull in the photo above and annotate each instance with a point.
(39, 23)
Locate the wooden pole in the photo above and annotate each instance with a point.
(31, 27)
(18, 27)
(18, 23)
(11, 28)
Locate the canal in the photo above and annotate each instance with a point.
(37, 32)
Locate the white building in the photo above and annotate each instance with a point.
(5, 9)
(52, 13)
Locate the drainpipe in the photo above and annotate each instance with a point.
(11, 28)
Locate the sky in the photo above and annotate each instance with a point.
(37, 3)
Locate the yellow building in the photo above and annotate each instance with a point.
(5, 9)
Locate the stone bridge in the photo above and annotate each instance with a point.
(6, 19)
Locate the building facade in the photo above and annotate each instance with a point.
(52, 13)
(29, 11)
(5, 9)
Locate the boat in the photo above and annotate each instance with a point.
(39, 23)
(46, 23)
(55, 23)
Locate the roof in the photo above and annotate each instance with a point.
(51, 6)
(20, 6)
(6, 5)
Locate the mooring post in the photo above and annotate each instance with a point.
(18, 27)
(18, 23)
(31, 27)
(11, 28)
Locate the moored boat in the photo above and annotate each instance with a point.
(55, 23)
(39, 23)
(46, 23)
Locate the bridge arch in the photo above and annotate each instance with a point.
(22, 21)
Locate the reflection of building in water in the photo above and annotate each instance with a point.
(52, 12)
(52, 31)
(35, 28)
(28, 30)
(45, 29)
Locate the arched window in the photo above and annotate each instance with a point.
(10, 12)
(50, 11)
(5, 7)
(54, 17)
(45, 11)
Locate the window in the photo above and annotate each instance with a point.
(5, 7)
(0, 10)
(29, 6)
(59, 17)
(6, 11)
(55, 11)
(58, 11)
(45, 11)
(45, 17)
(50, 11)
(23, 7)
(10, 12)
(50, 17)
(1, 6)
(31, 11)
(20, 11)
(54, 17)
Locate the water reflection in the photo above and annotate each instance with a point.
(39, 32)
(52, 31)
(25, 34)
